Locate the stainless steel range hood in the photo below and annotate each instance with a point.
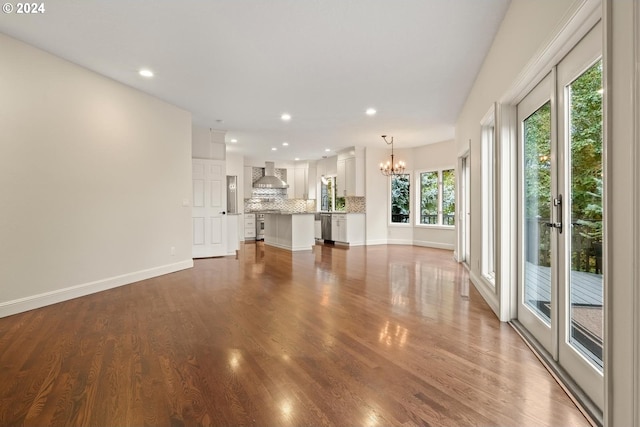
(270, 180)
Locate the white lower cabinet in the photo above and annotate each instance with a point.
(348, 228)
(293, 232)
(339, 228)
(250, 226)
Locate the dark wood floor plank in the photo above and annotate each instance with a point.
(372, 336)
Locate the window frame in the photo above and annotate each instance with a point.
(418, 198)
(488, 185)
(409, 223)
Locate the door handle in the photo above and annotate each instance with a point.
(557, 203)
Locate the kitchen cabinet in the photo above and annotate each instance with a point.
(341, 188)
(339, 228)
(317, 227)
(312, 181)
(248, 182)
(250, 226)
(348, 228)
(290, 231)
(300, 182)
(350, 173)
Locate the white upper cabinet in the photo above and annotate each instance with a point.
(350, 173)
(248, 182)
(300, 182)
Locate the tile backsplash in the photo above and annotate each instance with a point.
(355, 204)
(281, 204)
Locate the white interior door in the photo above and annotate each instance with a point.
(209, 204)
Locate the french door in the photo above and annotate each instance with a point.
(560, 289)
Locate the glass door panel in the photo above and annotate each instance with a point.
(537, 248)
(586, 284)
(537, 212)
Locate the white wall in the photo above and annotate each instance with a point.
(434, 157)
(93, 178)
(377, 194)
(208, 143)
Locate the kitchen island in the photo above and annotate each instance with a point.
(292, 231)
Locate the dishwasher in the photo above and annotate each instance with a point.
(325, 224)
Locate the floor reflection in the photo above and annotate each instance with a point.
(393, 334)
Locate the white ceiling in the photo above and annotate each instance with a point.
(237, 65)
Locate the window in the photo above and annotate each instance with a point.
(488, 196)
(429, 200)
(328, 198)
(400, 199)
(448, 197)
(437, 197)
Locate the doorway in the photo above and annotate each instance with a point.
(560, 211)
(464, 238)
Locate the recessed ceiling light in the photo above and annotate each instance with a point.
(285, 144)
(296, 159)
(274, 149)
(234, 140)
(371, 111)
(286, 117)
(327, 149)
(145, 73)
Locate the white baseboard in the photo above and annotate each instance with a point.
(486, 291)
(436, 245)
(400, 242)
(376, 242)
(32, 302)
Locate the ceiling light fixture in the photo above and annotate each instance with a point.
(234, 140)
(327, 149)
(145, 73)
(285, 144)
(390, 168)
(274, 149)
(371, 111)
(286, 117)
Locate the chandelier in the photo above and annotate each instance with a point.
(390, 168)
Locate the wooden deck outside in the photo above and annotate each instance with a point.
(586, 288)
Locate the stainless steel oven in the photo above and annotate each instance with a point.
(259, 226)
(260, 222)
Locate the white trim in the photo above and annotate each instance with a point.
(400, 242)
(374, 242)
(579, 19)
(435, 227)
(436, 245)
(635, 191)
(290, 248)
(506, 261)
(20, 305)
(486, 291)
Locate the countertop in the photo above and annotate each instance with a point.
(290, 213)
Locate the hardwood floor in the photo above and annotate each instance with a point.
(371, 336)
